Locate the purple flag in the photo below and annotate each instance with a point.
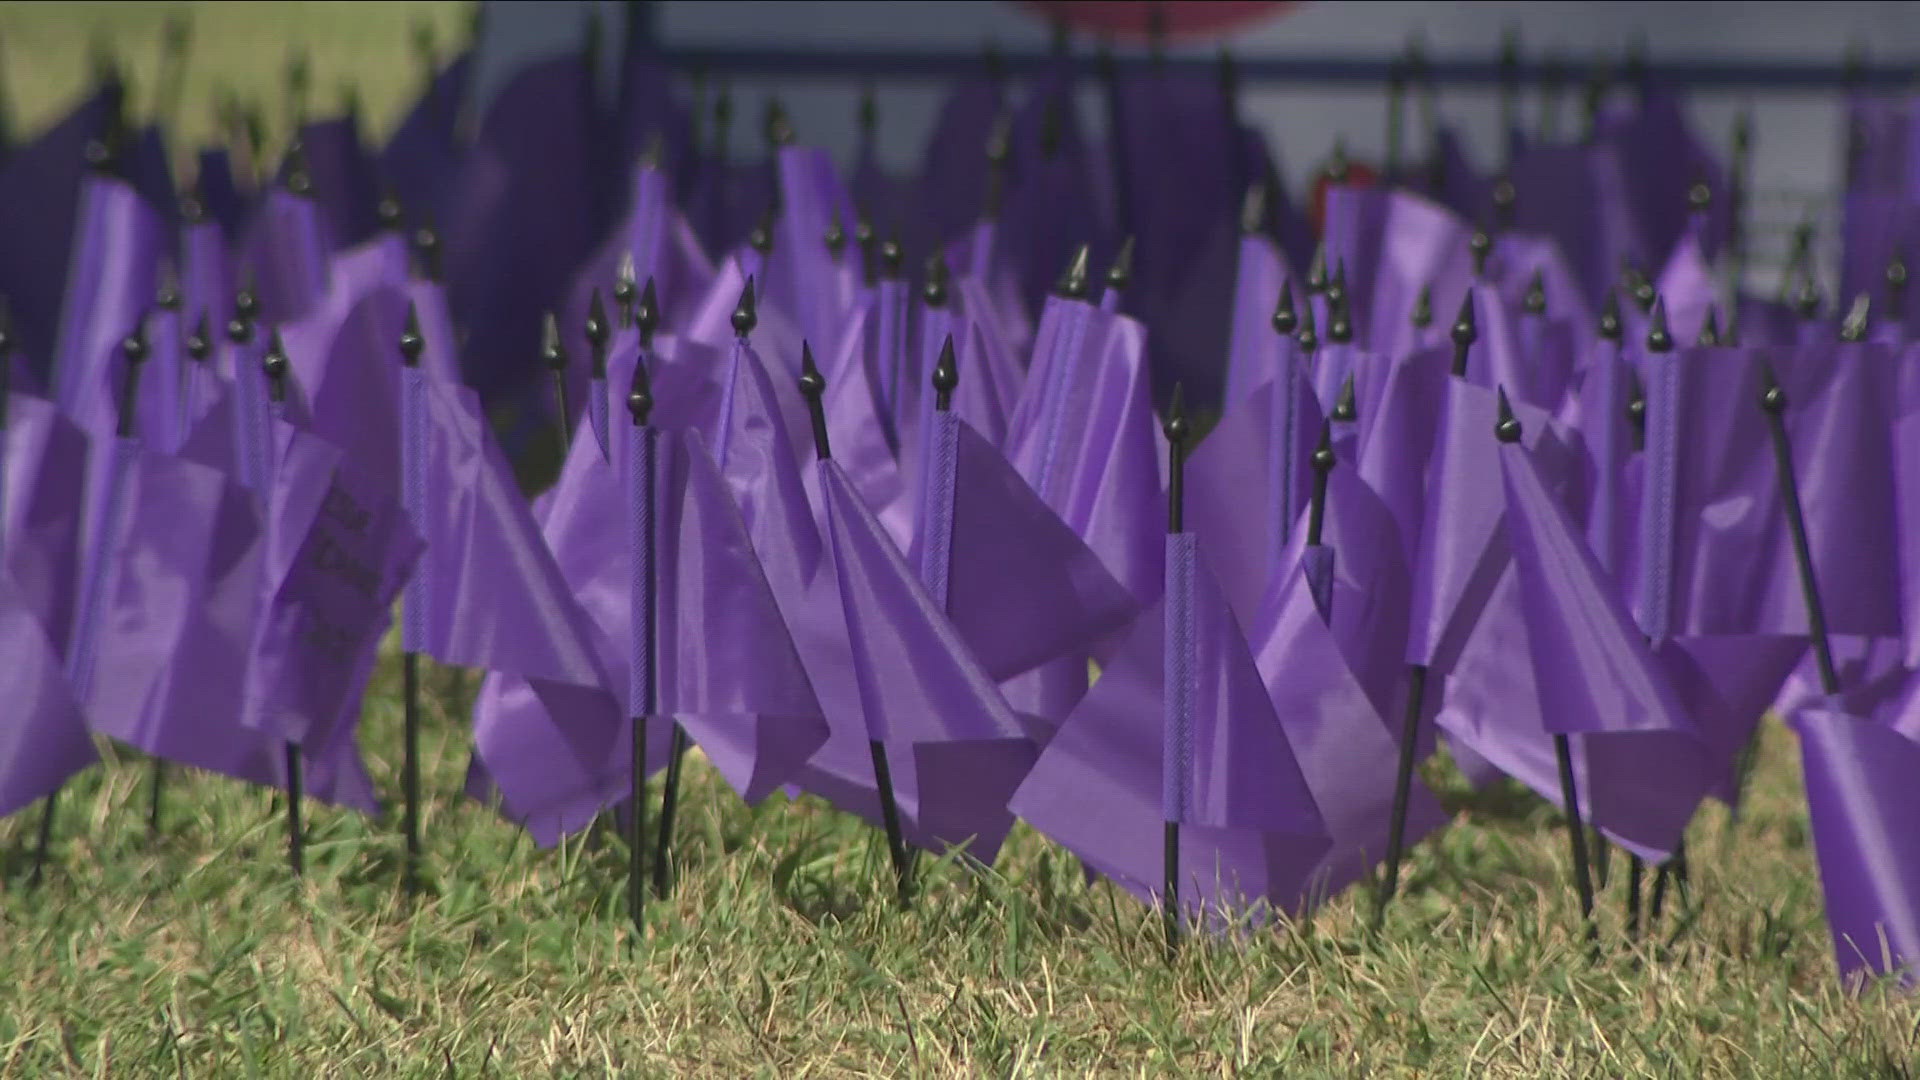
(111, 282)
(1343, 746)
(1862, 801)
(1251, 834)
(956, 751)
(288, 248)
(726, 668)
(1084, 436)
(1248, 481)
(1255, 353)
(1019, 587)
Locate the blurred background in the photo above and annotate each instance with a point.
(373, 52)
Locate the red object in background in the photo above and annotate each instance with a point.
(1181, 18)
(1359, 174)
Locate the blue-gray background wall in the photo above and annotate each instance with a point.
(1796, 149)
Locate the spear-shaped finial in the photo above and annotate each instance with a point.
(193, 204)
(1338, 170)
(640, 394)
(1253, 208)
(1307, 338)
(166, 295)
(1637, 407)
(869, 245)
(1699, 196)
(1337, 285)
(1710, 330)
(746, 314)
(134, 348)
(1854, 326)
(760, 238)
(1534, 301)
(1659, 340)
(1464, 333)
(553, 350)
(999, 153)
(934, 292)
(646, 313)
(299, 177)
(1806, 303)
(1120, 273)
(1176, 430)
(1610, 324)
(1505, 199)
(387, 211)
(1346, 409)
(626, 288)
(1323, 462)
(1897, 286)
(199, 341)
(1285, 321)
(1641, 287)
(813, 387)
(836, 237)
(891, 258)
(413, 343)
(946, 376)
(1506, 427)
(1480, 245)
(1339, 319)
(246, 299)
(1423, 307)
(598, 332)
(779, 126)
(1073, 283)
(1317, 271)
(426, 252)
(239, 330)
(274, 363)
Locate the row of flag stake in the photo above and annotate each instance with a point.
(867, 534)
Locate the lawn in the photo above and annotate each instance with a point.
(779, 953)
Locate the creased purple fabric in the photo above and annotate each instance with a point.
(1861, 799)
(954, 746)
(1084, 436)
(1252, 835)
(110, 283)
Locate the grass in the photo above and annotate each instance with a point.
(193, 953)
(779, 953)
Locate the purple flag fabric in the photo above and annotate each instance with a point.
(1345, 752)
(1255, 353)
(1180, 156)
(1461, 550)
(168, 603)
(955, 749)
(1251, 834)
(1248, 482)
(44, 740)
(288, 248)
(423, 156)
(44, 460)
(1019, 587)
(1084, 436)
(954, 166)
(345, 183)
(110, 283)
(726, 669)
(1862, 801)
(43, 190)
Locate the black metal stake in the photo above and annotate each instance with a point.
(275, 366)
(1176, 430)
(412, 344)
(640, 408)
(813, 386)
